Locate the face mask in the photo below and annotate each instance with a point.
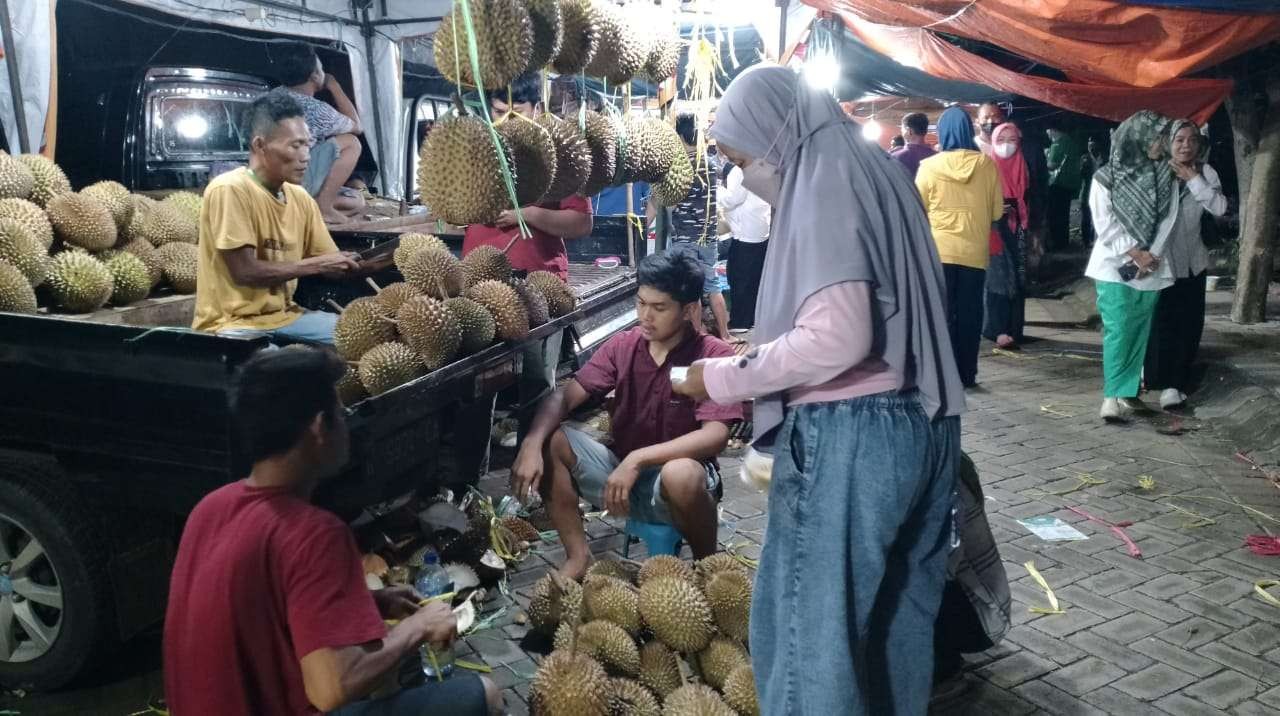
(764, 180)
(1004, 150)
(988, 127)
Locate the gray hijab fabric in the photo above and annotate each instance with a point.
(847, 212)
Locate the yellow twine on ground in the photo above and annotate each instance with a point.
(1261, 587)
(1050, 409)
(732, 550)
(1146, 482)
(472, 666)
(1083, 480)
(1012, 354)
(1054, 607)
(1247, 508)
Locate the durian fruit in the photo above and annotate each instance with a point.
(677, 613)
(486, 263)
(437, 274)
(535, 304)
(131, 281)
(78, 282)
(350, 389)
(612, 600)
(602, 140)
(393, 296)
(663, 148)
(23, 251)
(114, 196)
(460, 173)
(520, 527)
(16, 181)
(179, 261)
(740, 691)
(563, 640)
(729, 595)
(548, 32)
(721, 656)
(49, 179)
(388, 365)
(695, 700)
(430, 330)
(610, 645)
(503, 40)
(165, 223)
(571, 684)
(623, 571)
(718, 562)
(621, 52)
(560, 298)
(665, 565)
(31, 216)
(676, 183)
(16, 294)
(573, 157)
(142, 205)
(534, 154)
(504, 304)
(581, 21)
(664, 56)
(147, 253)
(412, 243)
(628, 697)
(554, 599)
(363, 324)
(659, 669)
(187, 202)
(81, 221)
(476, 323)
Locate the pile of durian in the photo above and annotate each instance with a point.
(78, 251)
(460, 171)
(663, 638)
(444, 309)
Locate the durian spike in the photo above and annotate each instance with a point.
(376, 288)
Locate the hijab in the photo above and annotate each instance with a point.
(846, 212)
(1141, 188)
(1013, 170)
(1202, 156)
(955, 130)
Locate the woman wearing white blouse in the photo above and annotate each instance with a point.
(1179, 317)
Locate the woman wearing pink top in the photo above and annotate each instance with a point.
(856, 395)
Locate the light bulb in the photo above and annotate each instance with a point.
(192, 126)
(822, 72)
(871, 130)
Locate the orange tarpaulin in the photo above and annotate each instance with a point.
(1102, 39)
(1192, 98)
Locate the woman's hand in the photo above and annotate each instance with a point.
(692, 386)
(1146, 261)
(1185, 172)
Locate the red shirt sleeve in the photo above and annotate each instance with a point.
(580, 204)
(600, 374)
(709, 410)
(328, 603)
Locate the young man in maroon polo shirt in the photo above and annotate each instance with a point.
(268, 608)
(662, 467)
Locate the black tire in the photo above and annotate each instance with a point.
(38, 497)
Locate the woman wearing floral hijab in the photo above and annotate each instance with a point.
(1006, 274)
(1134, 201)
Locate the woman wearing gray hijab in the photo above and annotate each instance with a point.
(856, 395)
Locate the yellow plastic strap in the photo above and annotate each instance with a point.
(472, 666)
(1261, 588)
(1054, 608)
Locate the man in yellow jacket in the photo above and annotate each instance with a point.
(961, 190)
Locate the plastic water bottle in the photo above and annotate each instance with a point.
(433, 580)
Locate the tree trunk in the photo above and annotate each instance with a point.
(1245, 112)
(1258, 217)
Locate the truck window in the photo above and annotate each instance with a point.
(195, 124)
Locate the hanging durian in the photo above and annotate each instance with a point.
(602, 140)
(503, 35)
(573, 158)
(460, 173)
(622, 51)
(534, 154)
(548, 32)
(581, 36)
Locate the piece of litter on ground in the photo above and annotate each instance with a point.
(1117, 528)
(1052, 529)
(1146, 482)
(1263, 545)
(1054, 607)
(1261, 588)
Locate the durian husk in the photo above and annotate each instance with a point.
(503, 33)
(460, 174)
(147, 253)
(435, 273)
(535, 304)
(534, 154)
(23, 251)
(740, 691)
(115, 197)
(16, 180)
(82, 221)
(363, 324)
(131, 280)
(165, 223)
(554, 599)
(486, 263)
(520, 528)
(548, 32)
(676, 183)
(573, 158)
(623, 571)
(612, 600)
(179, 262)
(350, 389)
(602, 140)
(560, 298)
(695, 700)
(628, 697)
(665, 565)
(31, 216)
(570, 684)
(721, 656)
(392, 296)
(677, 612)
(504, 304)
(610, 645)
(659, 669)
(387, 366)
(622, 50)
(729, 595)
(430, 330)
(49, 179)
(413, 242)
(664, 56)
(477, 324)
(16, 294)
(187, 202)
(719, 562)
(581, 21)
(78, 282)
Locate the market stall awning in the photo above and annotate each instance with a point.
(1124, 43)
(864, 71)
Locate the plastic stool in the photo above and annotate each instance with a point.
(658, 538)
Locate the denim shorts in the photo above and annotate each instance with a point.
(311, 327)
(595, 463)
(461, 694)
(323, 156)
(706, 255)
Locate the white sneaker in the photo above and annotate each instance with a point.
(1172, 398)
(1114, 411)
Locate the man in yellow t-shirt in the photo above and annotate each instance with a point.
(260, 232)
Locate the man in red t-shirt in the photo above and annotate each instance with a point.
(268, 608)
(662, 467)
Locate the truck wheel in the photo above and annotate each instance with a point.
(56, 607)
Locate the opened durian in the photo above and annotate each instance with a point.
(115, 197)
(504, 304)
(476, 323)
(412, 243)
(388, 365)
(610, 645)
(535, 304)
(534, 155)
(729, 595)
(350, 389)
(48, 178)
(665, 565)
(554, 599)
(573, 158)
(393, 296)
(23, 251)
(460, 172)
(560, 298)
(740, 691)
(677, 612)
(695, 700)
(430, 330)
(486, 263)
(30, 216)
(180, 262)
(628, 697)
(131, 281)
(16, 181)
(621, 52)
(78, 282)
(721, 657)
(581, 22)
(187, 202)
(82, 221)
(612, 600)
(548, 32)
(503, 35)
(659, 669)
(437, 274)
(571, 684)
(363, 324)
(16, 294)
(519, 527)
(602, 140)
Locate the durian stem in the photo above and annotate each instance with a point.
(376, 288)
(512, 242)
(336, 306)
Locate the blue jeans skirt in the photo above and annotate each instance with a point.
(855, 557)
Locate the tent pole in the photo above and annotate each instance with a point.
(366, 29)
(15, 83)
(782, 29)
